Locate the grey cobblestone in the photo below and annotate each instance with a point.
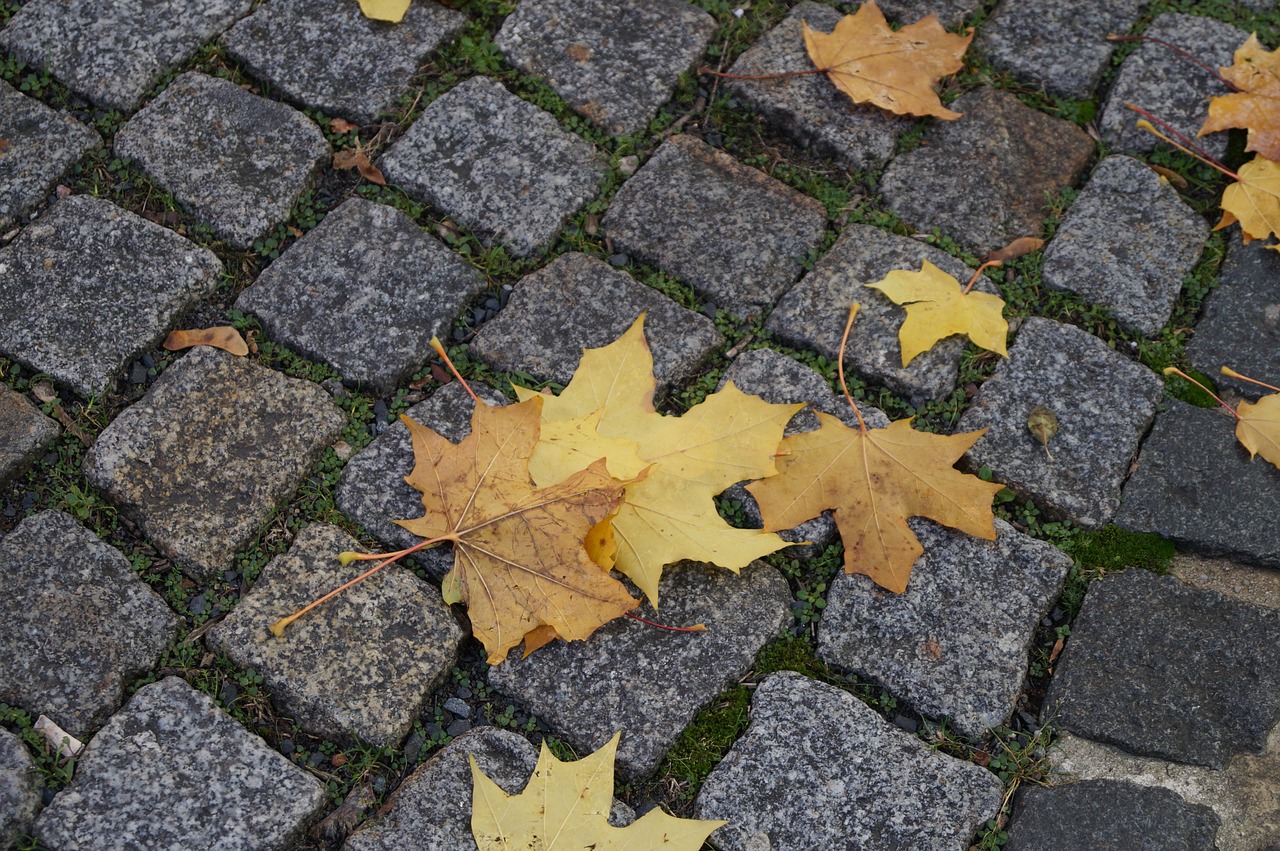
(40, 145)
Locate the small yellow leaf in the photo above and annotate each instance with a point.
(1258, 427)
(385, 10)
(1254, 201)
(222, 337)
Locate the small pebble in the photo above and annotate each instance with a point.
(458, 708)
(138, 373)
(464, 692)
(619, 260)
(902, 722)
(413, 746)
(317, 759)
(715, 139)
(287, 746)
(628, 165)
(457, 728)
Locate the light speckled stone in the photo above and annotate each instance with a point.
(201, 461)
(112, 52)
(817, 768)
(497, 164)
(1104, 403)
(19, 790)
(578, 302)
(812, 313)
(809, 108)
(234, 160)
(171, 770)
(326, 55)
(984, 178)
(76, 625)
(335, 680)
(647, 682)
(949, 12)
(955, 643)
(77, 303)
(25, 433)
(39, 146)
(615, 63)
(364, 291)
(1126, 243)
(731, 232)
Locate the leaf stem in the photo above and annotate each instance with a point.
(1173, 370)
(1178, 50)
(1231, 373)
(1190, 148)
(844, 342)
(776, 76)
(978, 271)
(439, 349)
(697, 627)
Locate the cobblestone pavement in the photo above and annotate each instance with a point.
(1101, 675)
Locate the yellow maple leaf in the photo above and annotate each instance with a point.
(1254, 201)
(938, 307)
(895, 71)
(1258, 427)
(385, 10)
(1256, 73)
(565, 807)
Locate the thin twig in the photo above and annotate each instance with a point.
(1186, 55)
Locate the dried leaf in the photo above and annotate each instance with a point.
(1043, 425)
(1170, 175)
(356, 158)
(1256, 73)
(384, 10)
(1020, 247)
(221, 337)
(1258, 427)
(341, 125)
(1254, 201)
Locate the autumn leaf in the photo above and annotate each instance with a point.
(1254, 201)
(1256, 73)
(1258, 427)
(895, 71)
(384, 10)
(357, 158)
(938, 307)
(1019, 247)
(221, 337)
(565, 807)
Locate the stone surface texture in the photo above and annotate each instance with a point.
(1196, 486)
(648, 682)
(76, 303)
(1126, 243)
(77, 626)
(955, 643)
(26, 434)
(1103, 402)
(326, 55)
(817, 768)
(360, 666)
(809, 108)
(111, 52)
(234, 160)
(201, 461)
(1259, 586)
(364, 291)
(577, 302)
(1240, 326)
(40, 146)
(950, 12)
(497, 164)
(733, 233)
(19, 790)
(615, 63)
(1164, 670)
(983, 179)
(222, 787)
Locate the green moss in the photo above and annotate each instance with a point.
(706, 740)
(1112, 548)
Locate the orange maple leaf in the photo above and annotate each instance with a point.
(1256, 73)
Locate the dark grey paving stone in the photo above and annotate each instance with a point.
(326, 55)
(615, 63)
(1170, 86)
(809, 108)
(37, 147)
(221, 786)
(20, 790)
(26, 434)
(818, 768)
(955, 644)
(1196, 485)
(112, 53)
(1103, 401)
(364, 291)
(338, 682)
(372, 490)
(648, 682)
(578, 302)
(1240, 325)
(1094, 814)
(234, 160)
(811, 315)
(202, 460)
(984, 178)
(1126, 243)
(1058, 44)
(497, 164)
(76, 303)
(949, 12)
(76, 624)
(1161, 669)
(731, 232)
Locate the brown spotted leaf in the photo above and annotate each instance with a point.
(221, 337)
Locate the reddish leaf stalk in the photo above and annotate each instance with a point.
(1189, 148)
(990, 264)
(776, 76)
(697, 627)
(844, 342)
(1231, 373)
(444, 356)
(1178, 50)
(1173, 370)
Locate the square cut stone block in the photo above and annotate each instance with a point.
(364, 291)
(25, 433)
(76, 624)
(615, 63)
(112, 53)
(577, 302)
(221, 786)
(359, 667)
(733, 233)
(20, 790)
(234, 160)
(39, 146)
(77, 302)
(202, 460)
(326, 55)
(1240, 325)
(1103, 402)
(497, 164)
(1126, 243)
